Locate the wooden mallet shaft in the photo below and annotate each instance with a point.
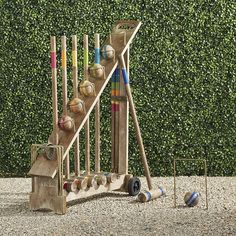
(136, 124)
(97, 110)
(87, 136)
(54, 89)
(64, 74)
(75, 95)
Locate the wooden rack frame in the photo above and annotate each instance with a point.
(48, 181)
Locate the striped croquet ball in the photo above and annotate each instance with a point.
(87, 88)
(108, 52)
(96, 71)
(76, 105)
(66, 123)
(191, 199)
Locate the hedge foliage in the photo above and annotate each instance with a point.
(182, 74)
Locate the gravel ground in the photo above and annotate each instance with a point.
(116, 213)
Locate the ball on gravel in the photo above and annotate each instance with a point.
(191, 199)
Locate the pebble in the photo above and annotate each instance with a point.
(119, 214)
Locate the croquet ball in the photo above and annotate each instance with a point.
(87, 88)
(191, 199)
(76, 105)
(108, 52)
(96, 71)
(67, 186)
(66, 123)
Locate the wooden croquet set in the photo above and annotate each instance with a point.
(53, 183)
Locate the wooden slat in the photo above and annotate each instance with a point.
(123, 123)
(97, 137)
(77, 157)
(116, 123)
(54, 90)
(44, 167)
(75, 95)
(87, 147)
(64, 94)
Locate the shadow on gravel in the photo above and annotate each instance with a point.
(96, 197)
(17, 205)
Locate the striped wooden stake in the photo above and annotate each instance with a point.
(85, 57)
(54, 89)
(97, 111)
(64, 94)
(75, 95)
(136, 125)
(123, 122)
(113, 123)
(87, 137)
(115, 120)
(116, 108)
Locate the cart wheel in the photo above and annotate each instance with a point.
(134, 186)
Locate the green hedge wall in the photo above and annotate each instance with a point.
(182, 75)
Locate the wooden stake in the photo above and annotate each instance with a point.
(87, 147)
(117, 93)
(85, 57)
(123, 122)
(64, 74)
(75, 66)
(136, 125)
(54, 90)
(97, 137)
(97, 110)
(75, 95)
(64, 94)
(87, 137)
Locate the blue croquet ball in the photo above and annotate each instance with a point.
(191, 199)
(108, 52)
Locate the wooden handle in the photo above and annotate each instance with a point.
(75, 66)
(97, 48)
(136, 124)
(54, 90)
(85, 57)
(64, 74)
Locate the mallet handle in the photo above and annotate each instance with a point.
(136, 124)
(64, 74)
(54, 89)
(75, 66)
(85, 57)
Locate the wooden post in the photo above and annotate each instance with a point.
(64, 94)
(54, 89)
(87, 137)
(117, 108)
(115, 120)
(85, 57)
(112, 124)
(136, 125)
(87, 147)
(97, 111)
(75, 95)
(123, 122)
(97, 137)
